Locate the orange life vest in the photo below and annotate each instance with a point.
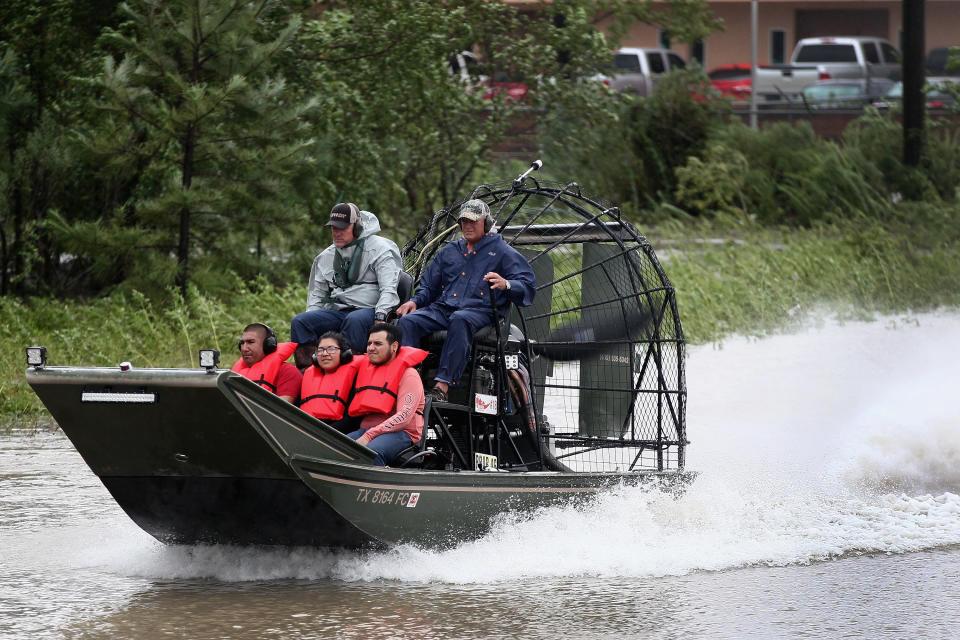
(375, 390)
(264, 373)
(325, 395)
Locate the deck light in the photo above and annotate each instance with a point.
(209, 359)
(36, 356)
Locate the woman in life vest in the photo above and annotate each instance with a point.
(262, 360)
(328, 383)
(388, 395)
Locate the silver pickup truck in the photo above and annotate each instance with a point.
(635, 70)
(817, 59)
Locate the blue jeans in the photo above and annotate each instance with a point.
(307, 327)
(387, 445)
(461, 325)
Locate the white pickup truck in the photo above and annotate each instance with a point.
(826, 59)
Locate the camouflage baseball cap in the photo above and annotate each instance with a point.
(474, 210)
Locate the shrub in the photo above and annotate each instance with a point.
(781, 174)
(667, 128)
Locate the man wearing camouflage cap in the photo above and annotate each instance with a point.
(454, 292)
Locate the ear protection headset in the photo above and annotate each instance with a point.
(346, 355)
(487, 217)
(358, 225)
(269, 342)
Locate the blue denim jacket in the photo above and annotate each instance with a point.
(455, 277)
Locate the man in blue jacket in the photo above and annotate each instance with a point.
(455, 290)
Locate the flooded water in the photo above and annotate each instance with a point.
(827, 506)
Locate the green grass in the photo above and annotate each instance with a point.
(756, 281)
(110, 330)
(731, 277)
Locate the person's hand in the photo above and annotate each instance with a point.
(363, 440)
(496, 280)
(406, 308)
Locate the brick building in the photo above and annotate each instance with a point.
(781, 23)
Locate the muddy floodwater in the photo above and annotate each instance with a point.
(827, 506)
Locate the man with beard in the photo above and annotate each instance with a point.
(388, 394)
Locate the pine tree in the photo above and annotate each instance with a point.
(196, 113)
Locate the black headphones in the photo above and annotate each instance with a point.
(346, 355)
(269, 342)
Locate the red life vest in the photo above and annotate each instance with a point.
(377, 386)
(264, 373)
(325, 395)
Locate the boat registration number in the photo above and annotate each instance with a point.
(389, 497)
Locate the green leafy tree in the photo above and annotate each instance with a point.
(409, 136)
(43, 46)
(14, 99)
(195, 113)
(685, 20)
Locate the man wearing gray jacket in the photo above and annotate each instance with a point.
(353, 283)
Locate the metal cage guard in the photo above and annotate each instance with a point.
(602, 344)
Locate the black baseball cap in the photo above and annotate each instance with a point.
(343, 215)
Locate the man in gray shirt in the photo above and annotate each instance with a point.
(353, 283)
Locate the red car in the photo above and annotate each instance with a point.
(512, 89)
(732, 80)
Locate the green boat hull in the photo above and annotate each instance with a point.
(196, 457)
(432, 508)
(176, 450)
(440, 509)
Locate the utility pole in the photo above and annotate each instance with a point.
(753, 63)
(913, 80)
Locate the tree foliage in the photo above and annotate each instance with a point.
(194, 114)
(43, 47)
(165, 142)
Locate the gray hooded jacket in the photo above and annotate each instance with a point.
(376, 283)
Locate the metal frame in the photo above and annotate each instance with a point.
(551, 218)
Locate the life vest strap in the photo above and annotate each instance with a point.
(335, 396)
(383, 389)
(263, 383)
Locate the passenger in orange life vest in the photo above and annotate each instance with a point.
(328, 383)
(388, 393)
(262, 360)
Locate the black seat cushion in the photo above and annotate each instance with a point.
(486, 337)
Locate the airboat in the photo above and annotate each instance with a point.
(581, 392)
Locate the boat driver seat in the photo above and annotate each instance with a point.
(404, 292)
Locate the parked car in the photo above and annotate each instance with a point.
(511, 88)
(636, 70)
(938, 59)
(732, 80)
(854, 93)
(817, 59)
(940, 92)
(466, 66)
